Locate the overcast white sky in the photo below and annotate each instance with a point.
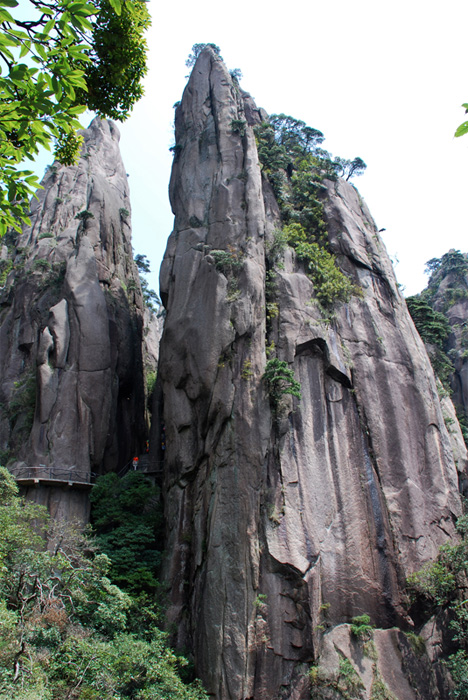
(382, 80)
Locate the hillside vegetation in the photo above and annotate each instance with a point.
(67, 632)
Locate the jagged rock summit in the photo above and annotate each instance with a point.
(71, 347)
(286, 519)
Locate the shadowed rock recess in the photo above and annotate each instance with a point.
(72, 397)
(283, 524)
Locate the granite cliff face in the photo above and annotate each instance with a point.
(71, 329)
(282, 523)
(447, 293)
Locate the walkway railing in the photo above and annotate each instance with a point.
(73, 476)
(145, 465)
(64, 474)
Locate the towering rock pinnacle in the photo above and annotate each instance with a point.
(281, 523)
(72, 393)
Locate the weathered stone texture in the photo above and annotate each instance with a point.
(71, 322)
(385, 665)
(351, 489)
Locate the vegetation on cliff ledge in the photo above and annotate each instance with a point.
(294, 162)
(446, 342)
(439, 589)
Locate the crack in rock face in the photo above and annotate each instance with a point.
(284, 519)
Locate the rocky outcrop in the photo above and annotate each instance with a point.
(447, 292)
(71, 329)
(441, 316)
(386, 663)
(279, 512)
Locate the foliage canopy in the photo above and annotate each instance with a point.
(66, 631)
(196, 51)
(296, 165)
(330, 284)
(127, 519)
(67, 55)
(432, 326)
(448, 284)
(440, 586)
(151, 299)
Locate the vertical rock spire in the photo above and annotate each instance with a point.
(216, 414)
(274, 517)
(72, 389)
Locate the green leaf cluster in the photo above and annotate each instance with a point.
(280, 381)
(22, 403)
(150, 298)
(295, 164)
(227, 261)
(127, 519)
(238, 126)
(118, 58)
(432, 326)
(463, 128)
(330, 284)
(453, 263)
(196, 51)
(66, 631)
(448, 284)
(66, 56)
(349, 168)
(284, 142)
(344, 683)
(361, 627)
(440, 587)
(5, 268)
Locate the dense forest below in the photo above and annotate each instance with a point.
(67, 630)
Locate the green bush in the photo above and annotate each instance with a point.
(151, 382)
(238, 126)
(23, 400)
(5, 268)
(432, 326)
(280, 382)
(41, 265)
(361, 627)
(330, 284)
(227, 261)
(84, 215)
(296, 165)
(66, 631)
(344, 683)
(457, 664)
(440, 586)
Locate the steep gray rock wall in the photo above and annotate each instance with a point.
(72, 387)
(448, 293)
(327, 507)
